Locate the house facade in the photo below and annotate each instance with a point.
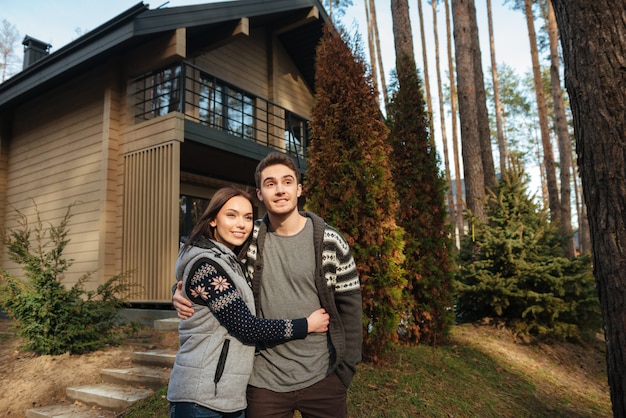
(138, 122)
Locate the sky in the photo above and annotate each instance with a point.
(62, 21)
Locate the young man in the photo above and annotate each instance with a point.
(299, 263)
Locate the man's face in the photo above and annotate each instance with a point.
(279, 189)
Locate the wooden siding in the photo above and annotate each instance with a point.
(242, 62)
(79, 143)
(253, 64)
(111, 116)
(157, 53)
(4, 160)
(291, 92)
(151, 190)
(54, 160)
(260, 65)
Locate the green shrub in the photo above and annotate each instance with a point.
(50, 318)
(512, 270)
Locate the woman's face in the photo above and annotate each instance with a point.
(233, 222)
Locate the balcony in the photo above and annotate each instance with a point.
(212, 102)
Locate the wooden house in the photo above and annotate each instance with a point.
(140, 120)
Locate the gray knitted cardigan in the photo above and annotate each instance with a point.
(338, 287)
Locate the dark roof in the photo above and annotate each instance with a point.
(138, 23)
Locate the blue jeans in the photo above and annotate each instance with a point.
(192, 410)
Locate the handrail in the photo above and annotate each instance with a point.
(208, 100)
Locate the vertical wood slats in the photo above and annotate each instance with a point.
(150, 230)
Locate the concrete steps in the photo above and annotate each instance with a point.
(70, 411)
(150, 377)
(119, 388)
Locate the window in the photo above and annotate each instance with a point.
(208, 100)
(296, 135)
(159, 93)
(227, 108)
(211, 108)
(191, 208)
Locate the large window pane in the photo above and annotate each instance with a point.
(191, 208)
(296, 135)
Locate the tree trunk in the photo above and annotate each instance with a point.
(402, 36)
(548, 154)
(593, 38)
(383, 83)
(465, 42)
(455, 134)
(484, 130)
(429, 101)
(584, 239)
(442, 113)
(563, 138)
(496, 93)
(370, 44)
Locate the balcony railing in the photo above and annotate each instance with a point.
(207, 100)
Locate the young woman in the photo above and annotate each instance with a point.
(216, 354)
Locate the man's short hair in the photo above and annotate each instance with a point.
(275, 158)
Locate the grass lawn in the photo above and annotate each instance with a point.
(481, 372)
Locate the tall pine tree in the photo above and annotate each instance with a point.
(422, 212)
(348, 182)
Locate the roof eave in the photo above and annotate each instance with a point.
(136, 22)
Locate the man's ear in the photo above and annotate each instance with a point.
(299, 192)
(259, 195)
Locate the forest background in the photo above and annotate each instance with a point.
(527, 129)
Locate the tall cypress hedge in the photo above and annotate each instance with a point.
(348, 183)
(422, 212)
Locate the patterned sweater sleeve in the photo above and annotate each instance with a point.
(347, 297)
(210, 285)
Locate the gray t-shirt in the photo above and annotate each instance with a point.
(288, 291)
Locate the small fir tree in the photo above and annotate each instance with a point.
(349, 183)
(50, 318)
(422, 212)
(513, 271)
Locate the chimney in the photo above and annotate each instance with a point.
(34, 50)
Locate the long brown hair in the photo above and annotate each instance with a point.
(203, 227)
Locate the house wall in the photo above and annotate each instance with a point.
(259, 64)
(4, 160)
(149, 195)
(55, 159)
(292, 92)
(78, 143)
